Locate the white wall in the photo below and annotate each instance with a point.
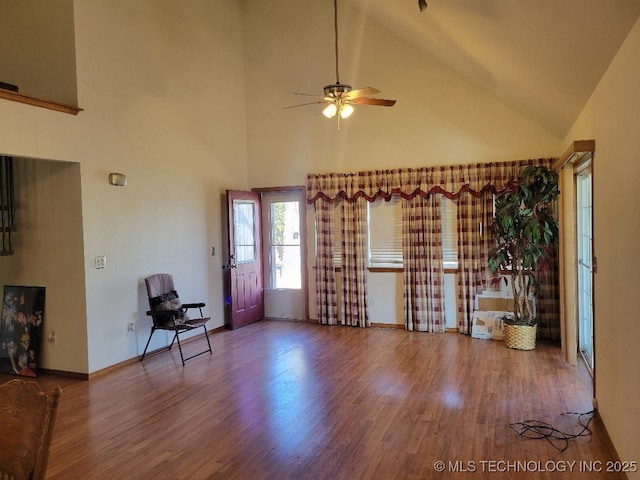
(612, 118)
(386, 303)
(439, 118)
(37, 48)
(48, 245)
(162, 90)
(385, 298)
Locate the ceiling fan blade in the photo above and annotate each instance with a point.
(308, 94)
(361, 92)
(304, 104)
(373, 101)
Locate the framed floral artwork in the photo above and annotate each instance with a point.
(21, 329)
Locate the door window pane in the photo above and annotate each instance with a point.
(243, 226)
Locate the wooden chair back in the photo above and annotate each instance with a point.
(27, 418)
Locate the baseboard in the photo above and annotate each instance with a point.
(62, 373)
(112, 368)
(607, 439)
(278, 319)
(395, 326)
(119, 365)
(388, 325)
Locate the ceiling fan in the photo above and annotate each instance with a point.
(340, 97)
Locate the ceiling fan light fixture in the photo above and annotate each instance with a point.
(336, 90)
(346, 111)
(330, 110)
(338, 97)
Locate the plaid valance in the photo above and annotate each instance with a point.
(448, 180)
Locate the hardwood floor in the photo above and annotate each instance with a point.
(285, 400)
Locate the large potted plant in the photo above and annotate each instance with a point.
(525, 233)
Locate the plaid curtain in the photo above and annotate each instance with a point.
(422, 255)
(548, 301)
(354, 263)
(450, 180)
(326, 297)
(474, 216)
(472, 186)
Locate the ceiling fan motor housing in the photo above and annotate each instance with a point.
(336, 89)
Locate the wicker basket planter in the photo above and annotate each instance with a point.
(521, 337)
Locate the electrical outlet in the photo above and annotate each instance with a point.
(131, 327)
(101, 262)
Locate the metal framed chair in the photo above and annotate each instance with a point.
(27, 418)
(169, 313)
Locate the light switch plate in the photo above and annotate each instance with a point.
(101, 262)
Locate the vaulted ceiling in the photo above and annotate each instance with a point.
(543, 58)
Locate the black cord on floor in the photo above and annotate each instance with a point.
(536, 429)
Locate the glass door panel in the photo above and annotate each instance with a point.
(585, 265)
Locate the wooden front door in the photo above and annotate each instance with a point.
(245, 258)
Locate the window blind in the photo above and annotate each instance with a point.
(448, 218)
(385, 233)
(337, 236)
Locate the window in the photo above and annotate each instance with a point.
(385, 233)
(284, 250)
(337, 236)
(449, 219)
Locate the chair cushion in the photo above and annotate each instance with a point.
(169, 301)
